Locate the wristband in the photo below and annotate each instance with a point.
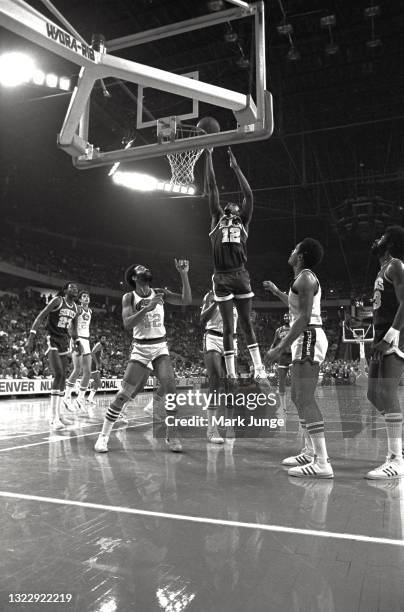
(32, 331)
(392, 336)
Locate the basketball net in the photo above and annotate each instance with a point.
(182, 163)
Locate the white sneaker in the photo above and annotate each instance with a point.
(302, 458)
(80, 405)
(66, 421)
(312, 470)
(101, 446)
(68, 404)
(56, 424)
(393, 467)
(122, 419)
(91, 401)
(173, 441)
(261, 378)
(214, 437)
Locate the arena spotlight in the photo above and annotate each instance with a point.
(15, 69)
(135, 180)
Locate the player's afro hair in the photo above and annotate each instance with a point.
(129, 272)
(312, 252)
(395, 240)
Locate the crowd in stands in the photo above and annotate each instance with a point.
(18, 310)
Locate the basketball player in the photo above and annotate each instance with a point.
(231, 281)
(143, 313)
(387, 363)
(97, 355)
(61, 314)
(81, 361)
(284, 360)
(308, 344)
(214, 355)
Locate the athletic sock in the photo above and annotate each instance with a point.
(307, 441)
(282, 401)
(68, 390)
(255, 355)
(53, 404)
(91, 395)
(229, 358)
(82, 392)
(317, 437)
(58, 403)
(394, 421)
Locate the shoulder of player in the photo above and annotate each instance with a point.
(127, 299)
(55, 303)
(306, 280)
(394, 271)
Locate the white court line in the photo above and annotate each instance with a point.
(206, 520)
(58, 439)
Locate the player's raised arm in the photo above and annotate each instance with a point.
(270, 286)
(131, 315)
(184, 298)
(208, 306)
(53, 305)
(214, 200)
(247, 205)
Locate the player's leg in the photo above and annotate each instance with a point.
(244, 309)
(305, 456)
(96, 384)
(64, 360)
(133, 382)
(85, 379)
(57, 368)
(71, 381)
(164, 371)
(389, 370)
(307, 374)
(282, 374)
(226, 312)
(213, 363)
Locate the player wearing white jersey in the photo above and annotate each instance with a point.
(143, 313)
(213, 350)
(309, 346)
(81, 361)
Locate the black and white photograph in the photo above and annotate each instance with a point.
(202, 305)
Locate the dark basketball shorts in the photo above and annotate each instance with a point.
(232, 284)
(285, 360)
(61, 344)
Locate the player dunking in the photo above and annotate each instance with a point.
(387, 363)
(81, 361)
(61, 314)
(231, 281)
(214, 352)
(143, 313)
(284, 360)
(309, 345)
(97, 355)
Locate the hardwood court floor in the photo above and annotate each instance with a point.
(216, 528)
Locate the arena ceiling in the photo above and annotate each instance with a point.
(338, 103)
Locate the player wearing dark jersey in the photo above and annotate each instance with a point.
(231, 281)
(387, 363)
(97, 355)
(61, 315)
(284, 360)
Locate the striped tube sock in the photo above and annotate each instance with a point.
(394, 422)
(317, 437)
(229, 358)
(306, 437)
(255, 355)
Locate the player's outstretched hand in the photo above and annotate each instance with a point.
(182, 265)
(270, 286)
(232, 158)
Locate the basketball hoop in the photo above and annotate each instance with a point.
(182, 164)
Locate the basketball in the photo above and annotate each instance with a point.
(209, 125)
